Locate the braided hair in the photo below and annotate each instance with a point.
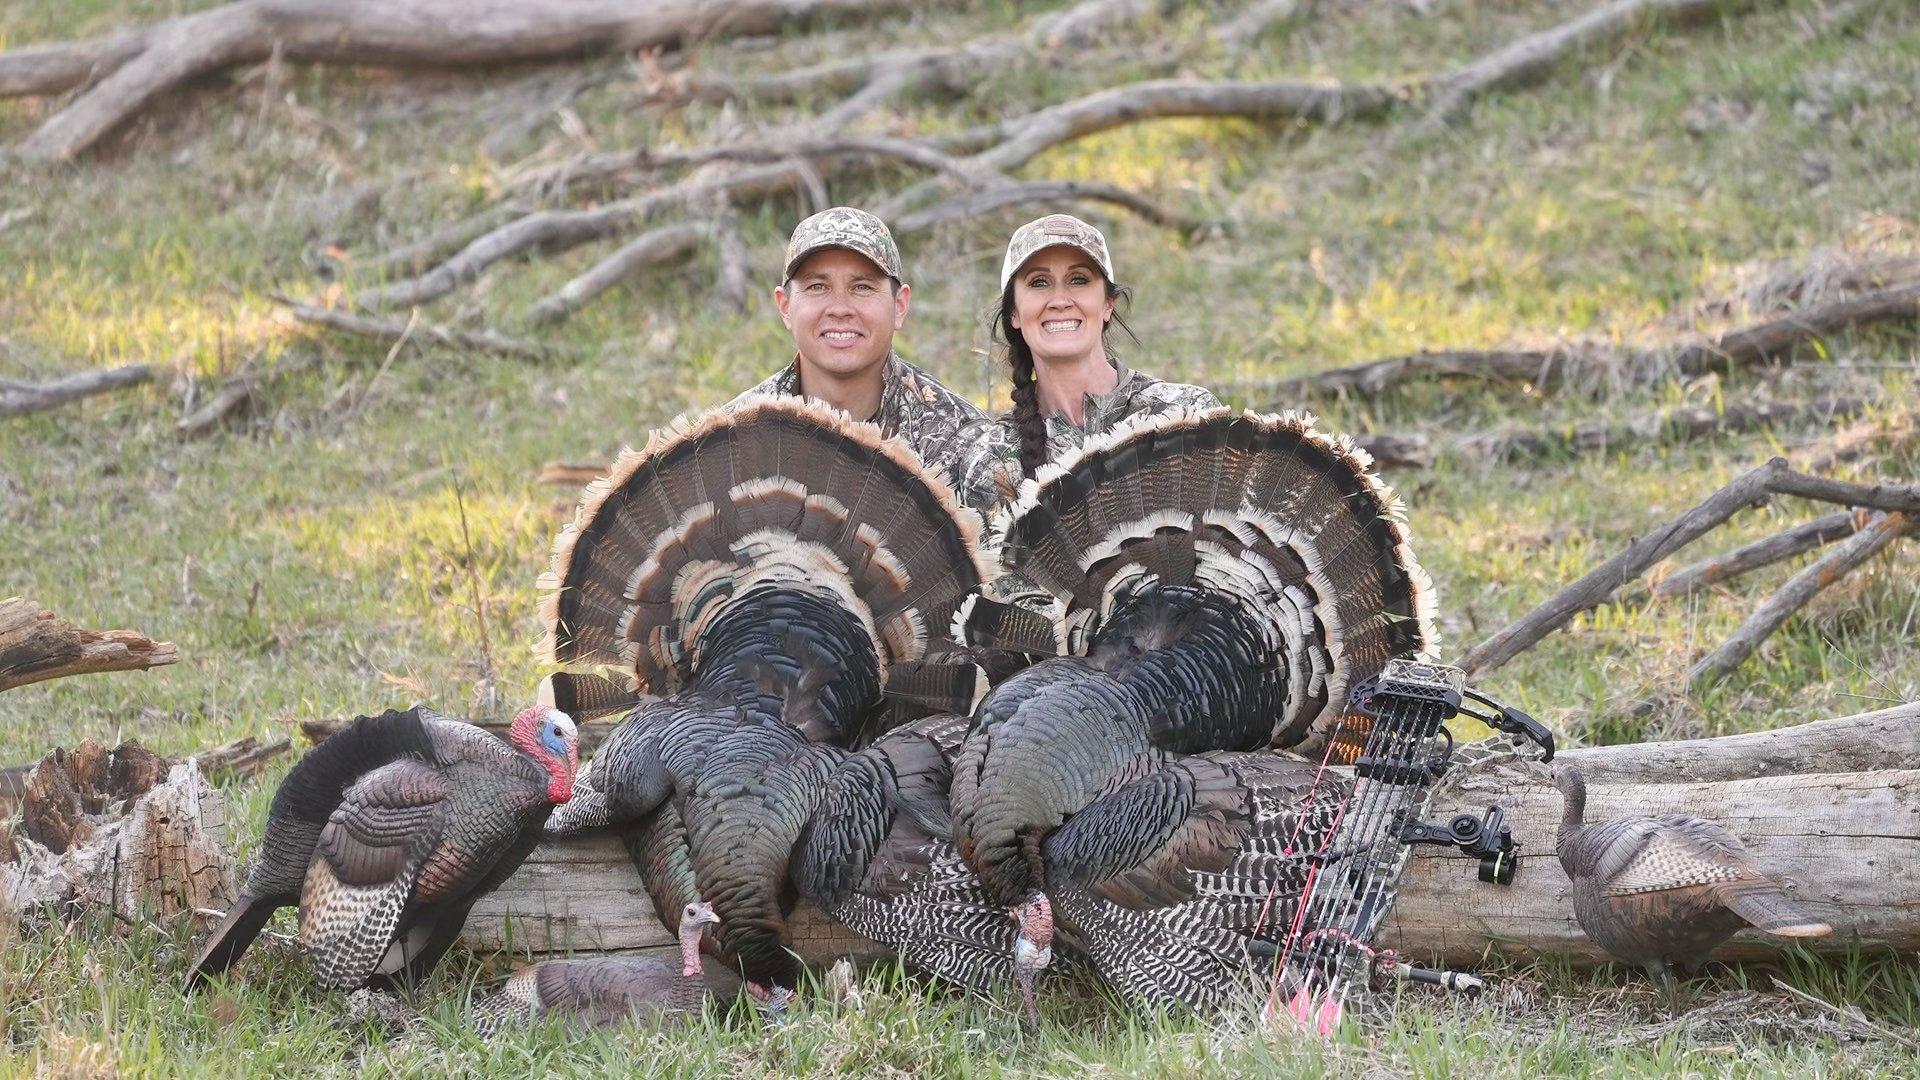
(1027, 421)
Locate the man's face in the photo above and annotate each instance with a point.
(843, 311)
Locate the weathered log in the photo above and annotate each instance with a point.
(121, 829)
(1655, 429)
(1843, 844)
(1885, 739)
(36, 644)
(1847, 841)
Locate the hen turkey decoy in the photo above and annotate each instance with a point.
(603, 991)
(1664, 891)
(763, 573)
(1223, 580)
(387, 833)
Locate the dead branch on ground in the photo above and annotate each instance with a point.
(1763, 552)
(992, 150)
(241, 758)
(391, 331)
(36, 644)
(1899, 502)
(1651, 429)
(125, 72)
(1590, 366)
(19, 398)
(1871, 539)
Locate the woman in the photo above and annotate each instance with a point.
(1057, 299)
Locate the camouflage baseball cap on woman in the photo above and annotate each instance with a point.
(843, 227)
(1054, 229)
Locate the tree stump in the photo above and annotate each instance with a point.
(123, 829)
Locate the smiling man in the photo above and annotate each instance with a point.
(843, 298)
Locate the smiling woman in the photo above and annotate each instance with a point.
(1058, 296)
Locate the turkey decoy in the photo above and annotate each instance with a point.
(1223, 580)
(761, 574)
(387, 833)
(604, 991)
(1664, 891)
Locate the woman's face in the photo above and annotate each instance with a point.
(1060, 304)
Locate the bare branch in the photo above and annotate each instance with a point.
(663, 245)
(1673, 425)
(1873, 537)
(1532, 56)
(394, 330)
(18, 398)
(1557, 368)
(1022, 192)
(1751, 489)
(1602, 581)
(1764, 552)
(36, 645)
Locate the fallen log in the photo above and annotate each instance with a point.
(36, 644)
(1848, 843)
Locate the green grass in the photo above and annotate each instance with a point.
(309, 561)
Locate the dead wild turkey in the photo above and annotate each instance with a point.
(388, 832)
(763, 573)
(1223, 580)
(1663, 891)
(603, 991)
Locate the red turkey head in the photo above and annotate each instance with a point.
(548, 736)
(1033, 949)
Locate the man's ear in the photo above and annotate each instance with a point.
(901, 301)
(782, 301)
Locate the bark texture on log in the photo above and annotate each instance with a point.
(1846, 845)
(36, 644)
(122, 829)
(1847, 841)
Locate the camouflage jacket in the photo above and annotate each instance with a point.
(955, 439)
(1135, 394)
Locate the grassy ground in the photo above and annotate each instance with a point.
(309, 560)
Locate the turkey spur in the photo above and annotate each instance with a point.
(762, 575)
(387, 833)
(1221, 580)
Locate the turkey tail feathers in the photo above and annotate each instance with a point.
(243, 922)
(1761, 903)
(771, 492)
(1288, 520)
(586, 697)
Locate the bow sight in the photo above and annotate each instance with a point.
(1486, 838)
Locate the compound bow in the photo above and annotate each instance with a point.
(1396, 740)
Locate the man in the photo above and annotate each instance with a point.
(842, 297)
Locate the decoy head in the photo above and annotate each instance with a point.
(1033, 949)
(549, 737)
(1573, 795)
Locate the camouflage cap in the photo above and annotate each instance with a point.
(844, 227)
(1050, 231)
